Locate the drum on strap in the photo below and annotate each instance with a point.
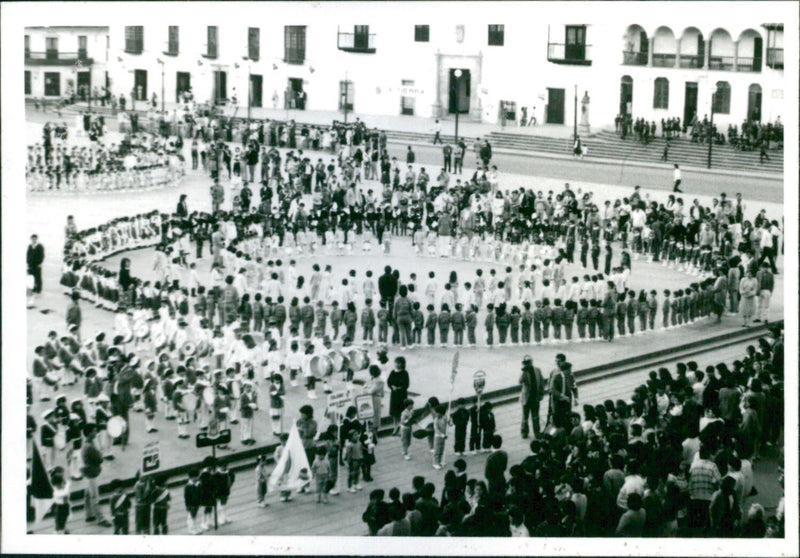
(159, 340)
(339, 360)
(321, 366)
(51, 378)
(116, 426)
(189, 402)
(359, 359)
(202, 349)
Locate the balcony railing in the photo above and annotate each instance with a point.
(720, 62)
(690, 61)
(356, 42)
(575, 54)
(633, 58)
(663, 60)
(134, 47)
(56, 58)
(745, 64)
(775, 58)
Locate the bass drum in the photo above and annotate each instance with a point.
(359, 359)
(116, 426)
(202, 349)
(321, 366)
(339, 360)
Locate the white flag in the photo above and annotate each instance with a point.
(292, 470)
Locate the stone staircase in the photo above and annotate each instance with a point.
(607, 145)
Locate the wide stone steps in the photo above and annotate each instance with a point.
(608, 145)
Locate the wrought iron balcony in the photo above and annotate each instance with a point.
(356, 42)
(663, 60)
(633, 58)
(57, 58)
(745, 64)
(775, 58)
(690, 61)
(574, 54)
(720, 62)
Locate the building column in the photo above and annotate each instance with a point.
(475, 110)
(707, 55)
(678, 53)
(652, 44)
(436, 109)
(736, 56)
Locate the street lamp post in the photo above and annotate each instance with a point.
(346, 96)
(162, 85)
(575, 115)
(711, 126)
(457, 74)
(249, 85)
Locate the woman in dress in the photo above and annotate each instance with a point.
(748, 287)
(398, 382)
(375, 388)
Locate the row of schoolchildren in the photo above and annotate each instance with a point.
(40, 179)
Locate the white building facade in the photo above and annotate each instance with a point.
(398, 58)
(62, 61)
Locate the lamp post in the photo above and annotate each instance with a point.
(346, 96)
(249, 86)
(457, 74)
(711, 126)
(162, 86)
(575, 115)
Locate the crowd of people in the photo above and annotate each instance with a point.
(139, 161)
(676, 460)
(205, 349)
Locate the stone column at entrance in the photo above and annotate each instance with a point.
(436, 109)
(584, 127)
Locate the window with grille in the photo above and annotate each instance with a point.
(51, 48)
(361, 36)
(661, 93)
(173, 41)
(212, 41)
(27, 82)
(27, 46)
(134, 39)
(722, 98)
(346, 95)
(294, 44)
(422, 33)
(82, 46)
(253, 43)
(497, 35)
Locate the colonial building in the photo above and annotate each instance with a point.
(484, 60)
(62, 61)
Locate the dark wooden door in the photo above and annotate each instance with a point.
(625, 95)
(555, 106)
(459, 92)
(220, 86)
(140, 84)
(52, 84)
(256, 90)
(183, 82)
(84, 85)
(758, 53)
(690, 102)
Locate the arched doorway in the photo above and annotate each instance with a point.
(754, 103)
(626, 95)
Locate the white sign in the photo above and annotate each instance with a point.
(150, 457)
(339, 400)
(365, 407)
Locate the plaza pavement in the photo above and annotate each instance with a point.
(47, 214)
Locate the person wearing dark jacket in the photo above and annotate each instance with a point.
(377, 513)
(34, 259)
(223, 481)
(387, 287)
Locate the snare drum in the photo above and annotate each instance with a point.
(321, 366)
(116, 426)
(339, 360)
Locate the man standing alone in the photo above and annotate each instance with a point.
(676, 177)
(532, 384)
(35, 258)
